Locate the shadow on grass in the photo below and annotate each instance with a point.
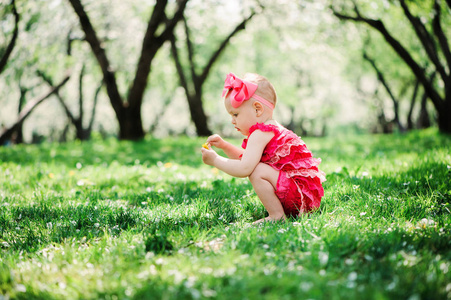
(186, 205)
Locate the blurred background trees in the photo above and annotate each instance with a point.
(423, 46)
(158, 68)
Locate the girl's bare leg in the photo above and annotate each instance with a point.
(264, 180)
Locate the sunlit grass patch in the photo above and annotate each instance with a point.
(107, 219)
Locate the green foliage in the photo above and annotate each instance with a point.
(158, 243)
(107, 219)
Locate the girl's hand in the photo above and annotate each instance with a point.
(229, 149)
(216, 140)
(209, 156)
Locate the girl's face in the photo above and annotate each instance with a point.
(243, 117)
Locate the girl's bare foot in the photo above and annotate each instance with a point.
(269, 219)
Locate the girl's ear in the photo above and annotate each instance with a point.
(258, 108)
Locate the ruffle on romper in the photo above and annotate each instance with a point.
(299, 186)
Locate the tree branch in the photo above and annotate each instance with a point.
(12, 43)
(425, 38)
(170, 25)
(49, 81)
(70, 40)
(33, 103)
(224, 43)
(178, 66)
(442, 39)
(401, 51)
(100, 54)
(189, 46)
(157, 17)
(26, 111)
(80, 94)
(412, 105)
(382, 80)
(151, 44)
(94, 106)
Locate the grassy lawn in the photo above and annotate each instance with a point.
(147, 220)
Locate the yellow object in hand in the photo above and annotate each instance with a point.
(205, 145)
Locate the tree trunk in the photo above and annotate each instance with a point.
(129, 113)
(130, 124)
(412, 104)
(12, 43)
(444, 116)
(198, 115)
(193, 89)
(423, 118)
(196, 109)
(18, 139)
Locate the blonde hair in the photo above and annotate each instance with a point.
(265, 88)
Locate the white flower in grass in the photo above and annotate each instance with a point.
(20, 288)
(352, 276)
(178, 276)
(323, 258)
(207, 293)
(195, 293)
(368, 258)
(414, 297)
(444, 267)
(306, 286)
(391, 286)
(424, 223)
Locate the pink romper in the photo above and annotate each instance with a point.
(299, 186)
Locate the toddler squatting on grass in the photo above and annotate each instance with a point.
(282, 170)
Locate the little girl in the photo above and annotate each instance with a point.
(281, 169)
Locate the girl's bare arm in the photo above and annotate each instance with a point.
(251, 157)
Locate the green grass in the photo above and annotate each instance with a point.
(124, 220)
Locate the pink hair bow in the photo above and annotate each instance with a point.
(241, 90)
